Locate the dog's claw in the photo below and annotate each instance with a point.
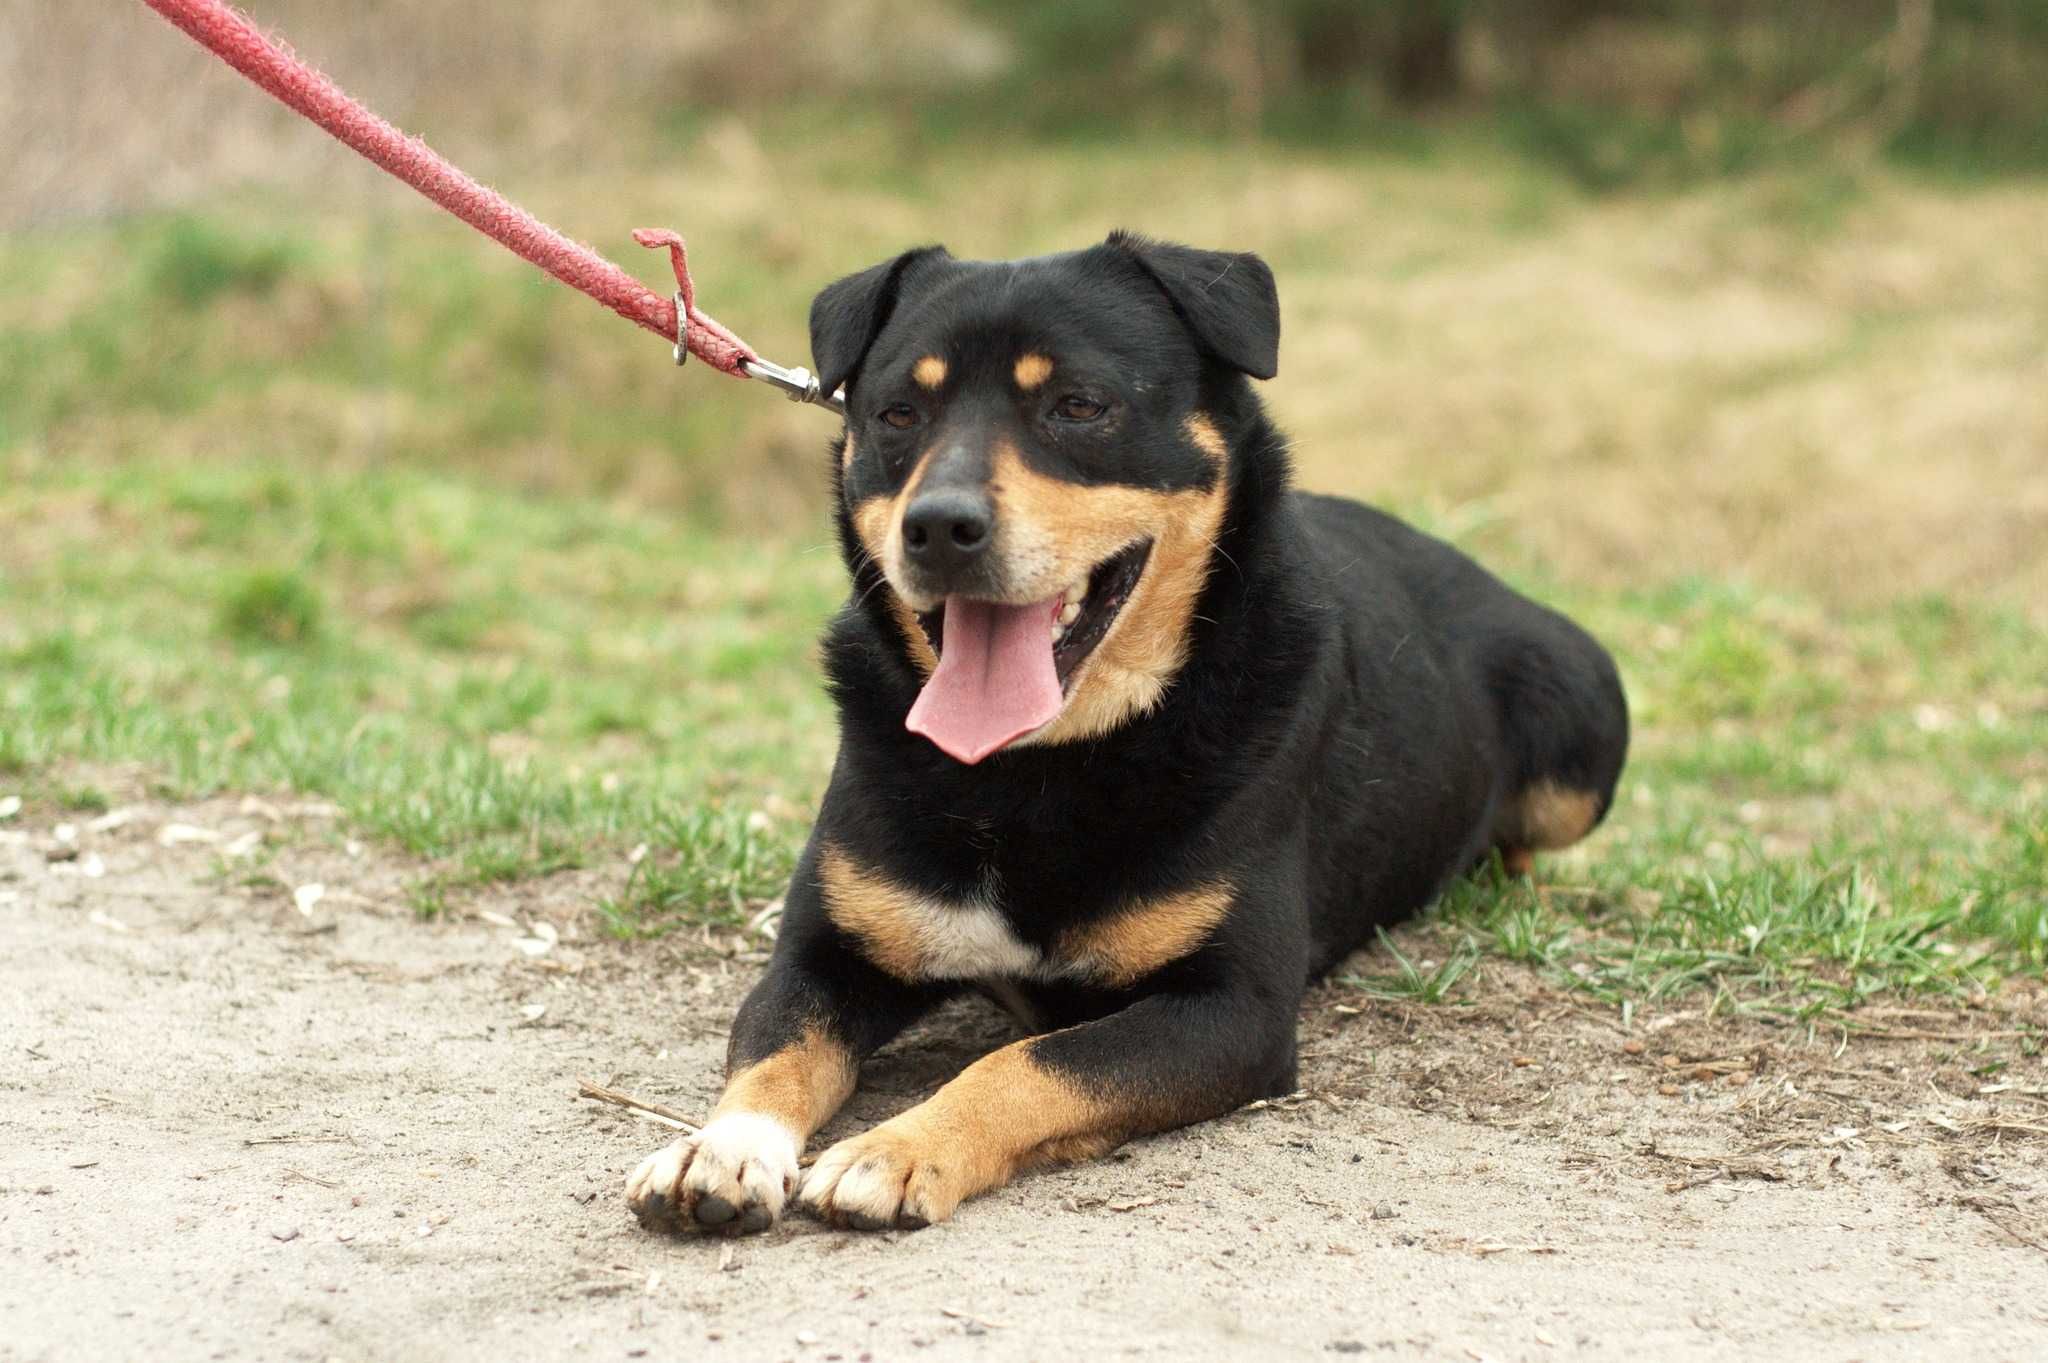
(883, 1180)
(732, 1177)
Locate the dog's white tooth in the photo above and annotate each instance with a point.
(1069, 613)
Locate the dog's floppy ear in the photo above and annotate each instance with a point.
(1227, 299)
(847, 316)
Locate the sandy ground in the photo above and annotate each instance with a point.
(233, 1129)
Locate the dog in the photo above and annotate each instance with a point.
(1134, 738)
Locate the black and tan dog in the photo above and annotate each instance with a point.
(1133, 737)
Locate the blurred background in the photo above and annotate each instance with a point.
(1675, 285)
(1723, 322)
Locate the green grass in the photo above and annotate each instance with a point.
(271, 606)
(1822, 805)
(195, 262)
(1802, 935)
(1413, 981)
(719, 861)
(373, 513)
(502, 684)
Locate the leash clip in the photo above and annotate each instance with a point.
(798, 384)
(682, 330)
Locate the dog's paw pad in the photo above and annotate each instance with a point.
(883, 1180)
(732, 1176)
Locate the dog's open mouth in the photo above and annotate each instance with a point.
(1080, 618)
(1003, 669)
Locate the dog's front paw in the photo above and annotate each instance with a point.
(892, 1176)
(733, 1176)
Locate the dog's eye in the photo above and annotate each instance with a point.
(902, 416)
(1074, 407)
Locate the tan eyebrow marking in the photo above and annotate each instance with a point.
(1203, 435)
(929, 372)
(1031, 371)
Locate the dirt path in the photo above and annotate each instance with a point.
(230, 1129)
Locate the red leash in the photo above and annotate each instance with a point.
(232, 37)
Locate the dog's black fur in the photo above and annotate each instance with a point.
(1361, 715)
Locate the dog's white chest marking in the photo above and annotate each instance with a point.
(968, 942)
(918, 936)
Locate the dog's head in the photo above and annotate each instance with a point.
(1031, 467)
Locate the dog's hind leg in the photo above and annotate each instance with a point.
(1564, 728)
(1544, 816)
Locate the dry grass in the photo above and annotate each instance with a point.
(1622, 391)
(130, 114)
(1685, 386)
(1833, 379)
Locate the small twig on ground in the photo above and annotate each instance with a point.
(600, 1094)
(1687, 1184)
(1716, 1167)
(1993, 1212)
(1286, 1102)
(1707, 1069)
(1938, 1014)
(982, 1321)
(1905, 1034)
(1999, 1126)
(1864, 1029)
(305, 1177)
(1847, 1099)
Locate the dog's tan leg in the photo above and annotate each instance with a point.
(1076, 1094)
(1003, 1114)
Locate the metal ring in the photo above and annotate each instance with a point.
(682, 329)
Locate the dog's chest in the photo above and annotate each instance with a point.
(918, 936)
(970, 941)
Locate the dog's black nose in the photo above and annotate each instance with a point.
(947, 529)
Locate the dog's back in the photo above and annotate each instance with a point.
(1451, 716)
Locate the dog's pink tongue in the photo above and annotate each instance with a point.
(995, 680)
